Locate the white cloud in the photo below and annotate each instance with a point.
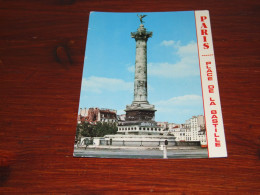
(167, 43)
(171, 43)
(186, 100)
(99, 84)
(186, 66)
(178, 108)
(188, 50)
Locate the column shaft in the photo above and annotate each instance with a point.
(140, 84)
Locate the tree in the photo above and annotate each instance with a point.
(78, 132)
(102, 129)
(86, 129)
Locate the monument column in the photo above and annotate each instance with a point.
(140, 83)
(140, 109)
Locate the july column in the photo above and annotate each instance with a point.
(140, 84)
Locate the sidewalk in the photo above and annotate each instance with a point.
(139, 148)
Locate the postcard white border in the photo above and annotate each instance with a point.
(209, 83)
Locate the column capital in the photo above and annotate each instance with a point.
(141, 33)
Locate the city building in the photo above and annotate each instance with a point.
(179, 132)
(194, 125)
(121, 117)
(193, 130)
(163, 125)
(93, 115)
(172, 125)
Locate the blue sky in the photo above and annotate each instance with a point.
(174, 85)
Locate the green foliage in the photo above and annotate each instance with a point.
(78, 132)
(86, 129)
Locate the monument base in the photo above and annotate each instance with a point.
(139, 140)
(139, 128)
(140, 105)
(140, 115)
(140, 111)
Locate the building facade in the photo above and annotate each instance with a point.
(193, 130)
(163, 125)
(179, 132)
(94, 115)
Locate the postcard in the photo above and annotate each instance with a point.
(149, 88)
